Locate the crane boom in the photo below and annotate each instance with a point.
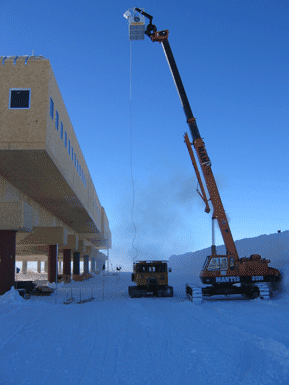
(219, 211)
(181, 90)
(198, 143)
(222, 274)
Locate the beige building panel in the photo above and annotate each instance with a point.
(103, 239)
(23, 127)
(30, 250)
(43, 171)
(46, 236)
(32, 258)
(20, 212)
(39, 217)
(16, 216)
(72, 243)
(55, 147)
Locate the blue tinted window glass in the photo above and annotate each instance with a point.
(57, 121)
(61, 130)
(51, 108)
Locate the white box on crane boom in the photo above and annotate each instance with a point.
(136, 24)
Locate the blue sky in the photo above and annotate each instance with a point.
(233, 60)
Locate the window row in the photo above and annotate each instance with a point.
(66, 142)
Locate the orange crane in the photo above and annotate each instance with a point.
(221, 274)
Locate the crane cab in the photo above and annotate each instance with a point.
(222, 269)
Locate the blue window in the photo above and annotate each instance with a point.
(77, 165)
(72, 153)
(65, 140)
(57, 120)
(68, 150)
(51, 108)
(61, 130)
(75, 160)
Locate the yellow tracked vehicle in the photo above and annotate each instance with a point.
(151, 279)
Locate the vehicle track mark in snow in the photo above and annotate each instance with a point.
(13, 334)
(274, 353)
(276, 350)
(170, 340)
(215, 332)
(156, 350)
(105, 355)
(88, 360)
(243, 368)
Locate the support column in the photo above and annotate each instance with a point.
(92, 264)
(7, 259)
(52, 263)
(46, 266)
(108, 262)
(66, 265)
(85, 264)
(38, 266)
(59, 267)
(76, 258)
(24, 267)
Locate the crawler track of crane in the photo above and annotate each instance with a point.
(194, 293)
(264, 290)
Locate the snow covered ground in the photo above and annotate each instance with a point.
(118, 340)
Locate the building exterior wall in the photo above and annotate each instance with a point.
(58, 147)
(24, 129)
(36, 161)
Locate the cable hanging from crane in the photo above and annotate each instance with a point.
(131, 168)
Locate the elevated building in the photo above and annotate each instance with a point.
(48, 203)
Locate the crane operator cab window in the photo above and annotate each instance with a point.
(161, 268)
(149, 268)
(220, 263)
(205, 264)
(142, 269)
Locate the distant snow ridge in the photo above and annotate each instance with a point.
(274, 247)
